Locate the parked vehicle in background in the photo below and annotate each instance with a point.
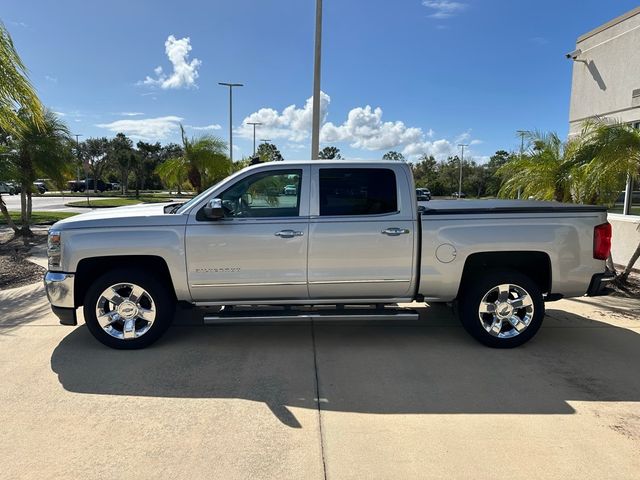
(115, 185)
(351, 235)
(462, 195)
(6, 187)
(290, 190)
(40, 187)
(80, 185)
(423, 194)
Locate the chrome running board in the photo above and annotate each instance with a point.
(298, 315)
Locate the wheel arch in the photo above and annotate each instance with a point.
(91, 268)
(536, 265)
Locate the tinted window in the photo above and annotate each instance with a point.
(265, 194)
(357, 191)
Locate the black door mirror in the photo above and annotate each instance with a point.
(213, 210)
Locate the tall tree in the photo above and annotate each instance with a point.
(96, 153)
(330, 153)
(146, 161)
(16, 92)
(268, 152)
(393, 155)
(121, 150)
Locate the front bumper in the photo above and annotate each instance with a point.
(59, 288)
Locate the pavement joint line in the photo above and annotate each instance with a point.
(318, 397)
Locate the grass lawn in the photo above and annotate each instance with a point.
(116, 202)
(39, 217)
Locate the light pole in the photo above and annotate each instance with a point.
(315, 128)
(254, 135)
(462, 145)
(230, 85)
(522, 133)
(78, 135)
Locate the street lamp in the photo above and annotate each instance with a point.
(78, 135)
(230, 85)
(522, 133)
(315, 128)
(462, 145)
(254, 135)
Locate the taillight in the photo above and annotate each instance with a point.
(602, 241)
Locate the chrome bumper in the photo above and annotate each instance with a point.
(59, 288)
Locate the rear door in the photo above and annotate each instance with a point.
(361, 233)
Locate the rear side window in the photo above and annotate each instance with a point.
(357, 191)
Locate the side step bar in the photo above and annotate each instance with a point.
(325, 315)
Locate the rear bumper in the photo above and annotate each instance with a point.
(597, 282)
(59, 288)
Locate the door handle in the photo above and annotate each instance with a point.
(394, 232)
(289, 233)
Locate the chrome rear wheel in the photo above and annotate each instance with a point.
(506, 310)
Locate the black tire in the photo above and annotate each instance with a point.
(160, 294)
(472, 295)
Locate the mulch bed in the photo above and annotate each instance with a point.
(15, 270)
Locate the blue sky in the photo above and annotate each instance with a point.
(408, 75)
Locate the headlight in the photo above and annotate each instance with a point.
(54, 249)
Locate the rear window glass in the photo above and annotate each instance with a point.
(357, 191)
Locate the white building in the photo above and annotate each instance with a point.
(606, 83)
(606, 76)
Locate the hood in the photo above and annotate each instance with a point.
(131, 216)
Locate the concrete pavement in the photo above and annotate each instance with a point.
(411, 400)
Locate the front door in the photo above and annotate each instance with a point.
(259, 250)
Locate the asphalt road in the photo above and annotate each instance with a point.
(315, 401)
(46, 202)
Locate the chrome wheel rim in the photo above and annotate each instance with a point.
(506, 311)
(125, 311)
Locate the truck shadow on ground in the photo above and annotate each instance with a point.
(427, 367)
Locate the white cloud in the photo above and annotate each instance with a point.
(213, 126)
(443, 9)
(184, 73)
(51, 79)
(145, 128)
(364, 128)
(293, 124)
(131, 114)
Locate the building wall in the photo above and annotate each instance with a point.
(626, 237)
(603, 84)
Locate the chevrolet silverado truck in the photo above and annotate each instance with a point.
(349, 240)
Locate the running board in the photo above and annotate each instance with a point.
(333, 315)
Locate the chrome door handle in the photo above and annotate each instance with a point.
(289, 233)
(394, 232)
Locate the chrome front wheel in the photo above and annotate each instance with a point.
(125, 311)
(129, 308)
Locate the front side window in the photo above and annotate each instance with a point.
(357, 191)
(264, 194)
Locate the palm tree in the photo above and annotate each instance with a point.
(206, 159)
(545, 172)
(42, 148)
(173, 172)
(16, 92)
(613, 153)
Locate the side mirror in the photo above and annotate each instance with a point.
(213, 210)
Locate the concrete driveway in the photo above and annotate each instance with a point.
(46, 202)
(314, 401)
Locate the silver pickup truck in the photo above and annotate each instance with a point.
(336, 239)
